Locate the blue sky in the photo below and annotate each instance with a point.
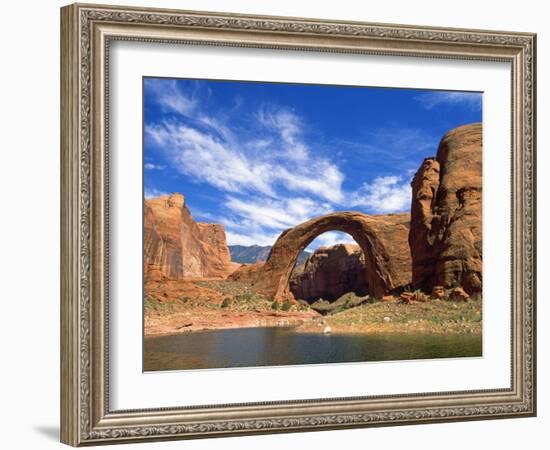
(262, 157)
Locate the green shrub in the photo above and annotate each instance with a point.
(303, 305)
(149, 303)
(286, 306)
(225, 302)
(275, 305)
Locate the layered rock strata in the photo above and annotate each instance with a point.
(329, 273)
(175, 246)
(446, 214)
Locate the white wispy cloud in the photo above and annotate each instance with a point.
(261, 220)
(170, 97)
(281, 161)
(205, 158)
(276, 214)
(250, 238)
(331, 238)
(151, 166)
(199, 213)
(384, 195)
(401, 140)
(430, 100)
(268, 214)
(152, 192)
(396, 144)
(270, 175)
(288, 126)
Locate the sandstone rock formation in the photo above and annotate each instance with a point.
(246, 273)
(175, 246)
(330, 272)
(458, 295)
(446, 231)
(382, 238)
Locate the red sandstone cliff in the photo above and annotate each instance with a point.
(446, 230)
(331, 272)
(176, 246)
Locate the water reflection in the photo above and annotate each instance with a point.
(247, 347)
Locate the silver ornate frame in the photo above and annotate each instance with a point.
(86, 32)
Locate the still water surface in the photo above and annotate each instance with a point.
(247, 347)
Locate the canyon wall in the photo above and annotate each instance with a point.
(175, 246)
(446, 214)
(331, 272)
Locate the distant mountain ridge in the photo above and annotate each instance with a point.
(249, 254)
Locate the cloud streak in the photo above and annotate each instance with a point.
(202, 156)
(430, 100)
(329, 239)
(152, 192)
(151, 166)
(384, 195)
(269, 173)
(264, 219)
(170, 97)
(209, 152)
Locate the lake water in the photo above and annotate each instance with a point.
(247, 347)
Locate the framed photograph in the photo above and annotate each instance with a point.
(278, 224)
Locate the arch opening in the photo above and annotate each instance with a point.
(383, 241)
(331, 266)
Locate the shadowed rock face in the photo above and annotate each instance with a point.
(446, 229)
(382, 238)
(331, 272)
(176, 246)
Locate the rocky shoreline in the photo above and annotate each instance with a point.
(201, 320)
(304, 322)
(174, 307)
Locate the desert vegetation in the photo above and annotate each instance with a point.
(216, 304)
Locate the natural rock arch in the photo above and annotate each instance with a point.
(383, 239)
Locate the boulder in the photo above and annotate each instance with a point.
(322, 306)
(409, 297)
(246, 273)
(346, 301)
(459, 295)
(419, 296)
(438, 292)
(406, 297)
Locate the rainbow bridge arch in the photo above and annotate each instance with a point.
(383, 239)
